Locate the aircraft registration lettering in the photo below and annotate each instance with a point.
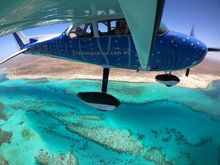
(108, 53)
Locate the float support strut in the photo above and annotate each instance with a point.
(187, 72)
(105, 80)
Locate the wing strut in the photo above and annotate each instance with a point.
(143, 18)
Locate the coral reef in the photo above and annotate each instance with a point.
(90, 117)
(44, 157)
(77, 116)
(119, 140)
(155, 155)
(2, 116)
(5, 137)
(3, 161)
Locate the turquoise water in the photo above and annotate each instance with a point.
(181, 125)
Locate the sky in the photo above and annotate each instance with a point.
(178, 15)
(181, 15)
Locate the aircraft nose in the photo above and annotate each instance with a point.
(198, 50)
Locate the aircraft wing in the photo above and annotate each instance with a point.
(13, 56)
(143, 17)
(17, 15)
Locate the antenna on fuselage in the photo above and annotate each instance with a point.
(192, 32)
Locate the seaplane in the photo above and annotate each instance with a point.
(113, 34)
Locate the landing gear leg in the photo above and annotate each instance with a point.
(100, 100)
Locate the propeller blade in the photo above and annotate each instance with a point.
(187, 72)
(192, 32)
(213, 49)
(13, 55)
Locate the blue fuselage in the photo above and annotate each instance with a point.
(172, 51)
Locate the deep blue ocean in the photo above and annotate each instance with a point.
(153, 125)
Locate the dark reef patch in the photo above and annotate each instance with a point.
(172, 134)
(3, 161)
(2, 116)
(27, 134)
(5, 137)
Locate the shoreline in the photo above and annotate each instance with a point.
(35, 67)
(185, 82)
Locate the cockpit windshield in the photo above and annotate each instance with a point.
(163, 29)
(105, 28)
(82, 31)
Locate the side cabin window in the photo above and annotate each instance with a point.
(82, 31)
(113, 27)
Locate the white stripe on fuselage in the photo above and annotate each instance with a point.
(43, 38)
(103, 107)
(169, 83)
